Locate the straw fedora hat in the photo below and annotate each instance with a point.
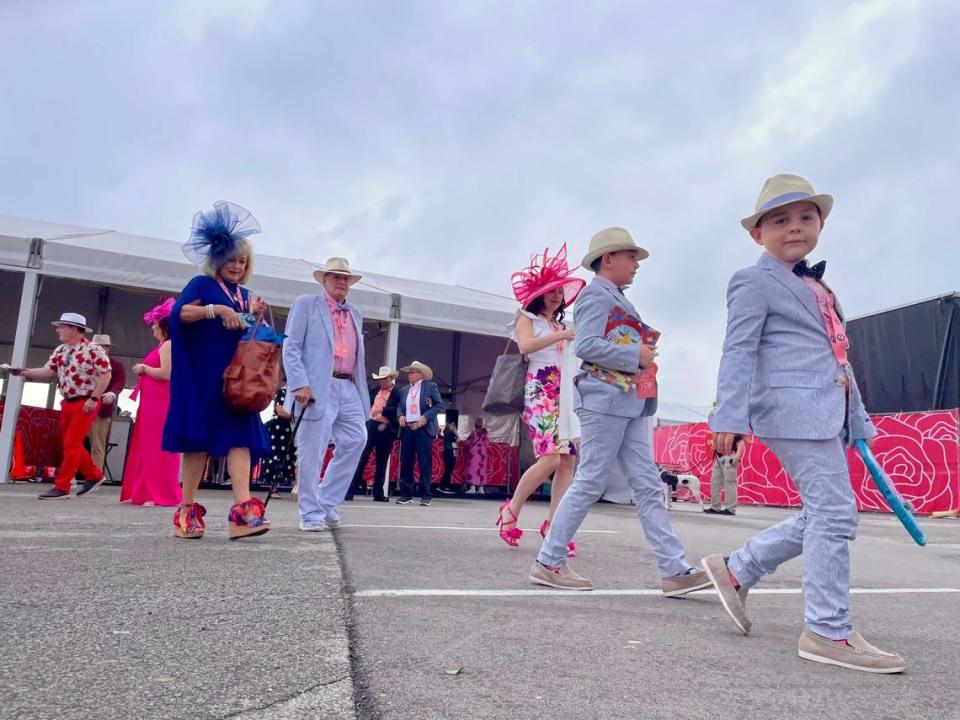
(336, 266)
(101, 340)
(611, 239)
(782, 190)
(417, 366)
(385, 372)
(75, 319)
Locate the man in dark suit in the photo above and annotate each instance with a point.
(382, 430)
(420, 403)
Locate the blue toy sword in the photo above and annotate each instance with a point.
(886, 489)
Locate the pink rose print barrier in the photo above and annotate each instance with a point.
(919, 451)
(501, 458)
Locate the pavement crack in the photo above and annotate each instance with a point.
(288, 698)
(365, 704)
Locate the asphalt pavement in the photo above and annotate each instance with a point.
(423, 612)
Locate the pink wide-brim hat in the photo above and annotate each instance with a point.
(544, 274)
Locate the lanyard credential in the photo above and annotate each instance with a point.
(237, 300)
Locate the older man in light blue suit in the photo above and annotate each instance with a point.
(323, 357)
(784, 375)
(616, 421)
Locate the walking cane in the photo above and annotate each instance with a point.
(296, 426)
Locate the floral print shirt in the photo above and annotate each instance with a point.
(78, 368)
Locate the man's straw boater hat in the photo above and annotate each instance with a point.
(336, 266)
(385, 372)
(417, 366)
(75, 319)
(612, 239)
(782, 190)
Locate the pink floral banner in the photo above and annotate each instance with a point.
(919, 451)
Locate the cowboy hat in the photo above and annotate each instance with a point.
(336, 266)
(610, 240)
(75, 319)
(101, 340)
(782, 190)
(417, 366)
(385, 372)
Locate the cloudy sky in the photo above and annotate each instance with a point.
(450, 140)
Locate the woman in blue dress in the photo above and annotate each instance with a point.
(206, 324)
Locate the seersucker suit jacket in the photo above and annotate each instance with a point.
(594, 305)
(778, 374)
(308, 354)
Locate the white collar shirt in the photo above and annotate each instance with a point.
(412, 410)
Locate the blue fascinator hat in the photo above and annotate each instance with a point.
(215, 233)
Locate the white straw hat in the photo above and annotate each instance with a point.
(784, 189)
(75, 319)
(611, 239)
(385, 372)
(417, 366)
(336, 266)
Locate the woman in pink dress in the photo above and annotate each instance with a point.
(152, 476)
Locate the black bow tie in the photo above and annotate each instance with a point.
(816, 272)
(340, 308)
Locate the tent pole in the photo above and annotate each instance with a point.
(21, 344)
(391, 349)
(390, 354)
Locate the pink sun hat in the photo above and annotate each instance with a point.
(544, 274)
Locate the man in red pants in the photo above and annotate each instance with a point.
(82, 371)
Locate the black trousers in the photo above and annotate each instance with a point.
(381, 442)
(449, 462)
(415, 447)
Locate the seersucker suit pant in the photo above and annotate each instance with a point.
(605, 440)
(821, 532)
(344, 421)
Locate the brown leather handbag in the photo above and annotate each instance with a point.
(253, 376)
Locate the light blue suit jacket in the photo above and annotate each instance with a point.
(778, 375)
(594, 305)
(308, 353)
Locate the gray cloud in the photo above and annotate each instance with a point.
(452, 142)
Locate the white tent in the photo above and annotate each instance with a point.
(113, 277)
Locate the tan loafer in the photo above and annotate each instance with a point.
(678, 585)
(716, 569)
(562, 578)
(857, 654)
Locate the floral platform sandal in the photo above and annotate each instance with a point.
(571, 546)
(188, 521)
(246, 519)
(511, 536)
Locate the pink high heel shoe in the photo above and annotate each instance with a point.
(571, 546)
(512, 536)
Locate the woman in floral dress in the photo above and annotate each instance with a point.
(544, 290)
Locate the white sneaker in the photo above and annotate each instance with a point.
(331, 523)
(313, 526)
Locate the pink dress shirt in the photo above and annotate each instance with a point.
(344, 338)
(831, 319)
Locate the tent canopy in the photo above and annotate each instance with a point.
(115, 258)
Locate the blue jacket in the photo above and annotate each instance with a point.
(778, 374)
(431, 405)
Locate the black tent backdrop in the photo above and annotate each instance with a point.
(908, 359)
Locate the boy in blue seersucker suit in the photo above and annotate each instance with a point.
(784, 375)
(615, 397)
